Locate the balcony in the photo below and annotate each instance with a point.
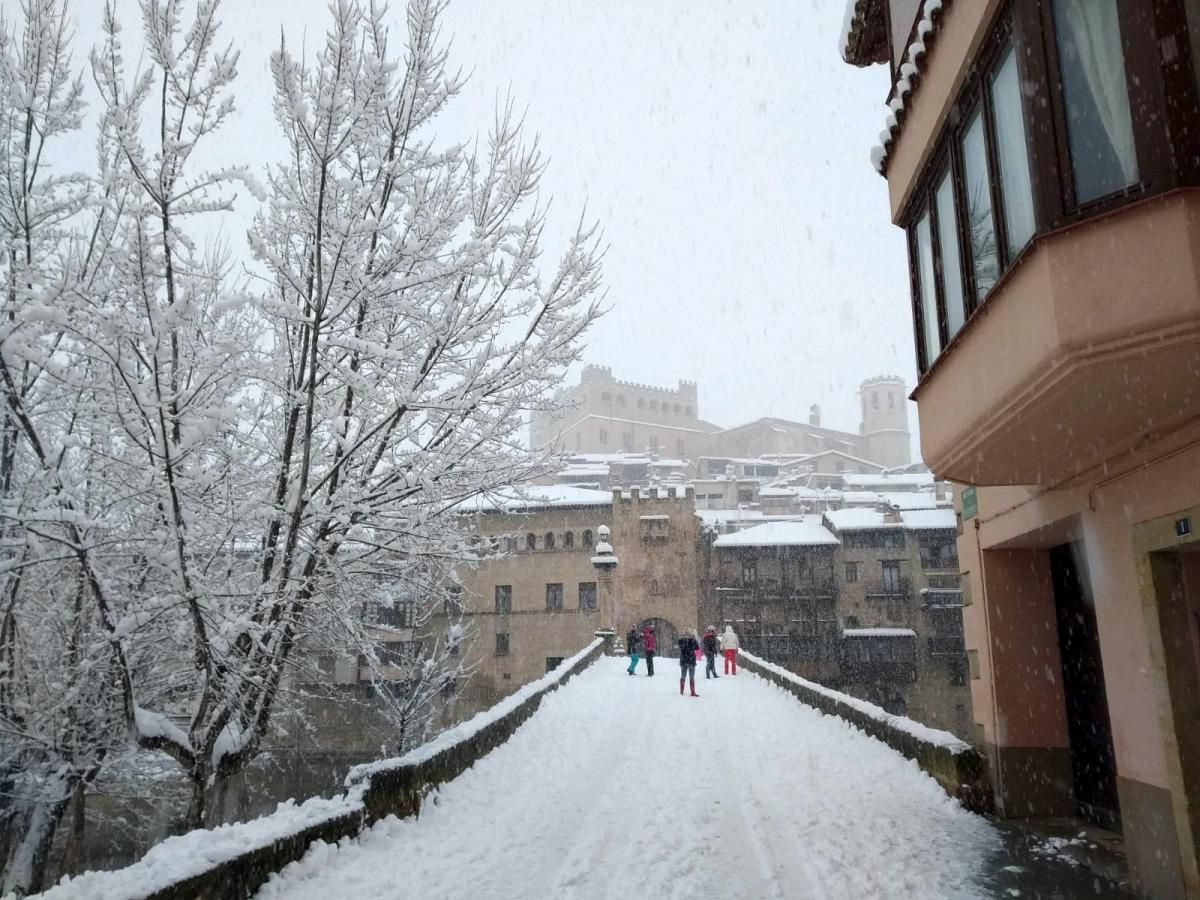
(891, 589)
(1087, 349)
(771, 590)
(947, 645)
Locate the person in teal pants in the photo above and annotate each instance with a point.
(633, 642)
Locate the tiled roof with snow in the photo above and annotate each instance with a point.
(908, 76)
(536, 496)
(807, 532)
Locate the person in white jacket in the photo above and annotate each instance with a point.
(729, 646)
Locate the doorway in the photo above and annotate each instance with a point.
(1176, 577)
(1093, 762)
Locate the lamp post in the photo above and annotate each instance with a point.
(605, 563)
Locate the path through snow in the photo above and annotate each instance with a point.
(619, 786)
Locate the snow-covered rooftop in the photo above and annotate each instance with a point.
(806, 532)
(884, 481)
(858, 518)
(534, 496)
(930, 519)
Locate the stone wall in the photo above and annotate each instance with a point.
(234, 861)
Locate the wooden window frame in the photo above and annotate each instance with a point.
(1164, 95)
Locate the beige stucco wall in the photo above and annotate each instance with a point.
(1103, 517)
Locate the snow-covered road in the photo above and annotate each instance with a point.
(619, 787)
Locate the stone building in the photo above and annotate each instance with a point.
(602, 415)
(543, 599)
(857, 599)
(1041, 156)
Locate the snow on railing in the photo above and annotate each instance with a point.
(473, 726)
(234, 860)
(912, 728)
(198, 853)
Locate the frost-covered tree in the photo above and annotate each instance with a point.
(200, 477)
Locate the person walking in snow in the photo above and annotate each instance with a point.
(730, 645)
(649, 645)
(688, 648)
(633, 642)
(711, 644)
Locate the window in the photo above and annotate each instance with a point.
(749, 572)
(606, 397)
(891, 576)
(851, 621)
(1095, 97)
(549, 542)
(554, 595)
(981, 225)
(654, 404)
(851, 571)
(502, 644)
(678, 409)
(603, 436)
(687, 411)
(627, 440)
(587, 540)
(745, 495)
(926, 291)
(620, 399)
(531, 542)
(941, 554)
(503, 599)
(587, 595)
(510, 545)
(553, 662)
(641, 403)
(654, 443)
(679, 447)
(569, 540)
(398, 614)
(398, 653)
(952, 284)
(1012, 155)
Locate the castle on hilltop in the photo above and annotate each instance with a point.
(603, 415)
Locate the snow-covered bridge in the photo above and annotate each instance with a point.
(618, 785)
(613, 785)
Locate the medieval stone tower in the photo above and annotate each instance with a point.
(885, 420)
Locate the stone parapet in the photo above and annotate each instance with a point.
(954, 764)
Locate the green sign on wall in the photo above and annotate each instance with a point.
(969, 504)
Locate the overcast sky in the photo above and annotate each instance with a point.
(723, 147)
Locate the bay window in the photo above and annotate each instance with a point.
(1069, 110)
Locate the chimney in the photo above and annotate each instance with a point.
(814, 415)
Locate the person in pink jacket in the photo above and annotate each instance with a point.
(730, 645)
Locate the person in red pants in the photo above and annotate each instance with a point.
(730, 645)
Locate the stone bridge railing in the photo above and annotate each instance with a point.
(957, 766)
(233, 861)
